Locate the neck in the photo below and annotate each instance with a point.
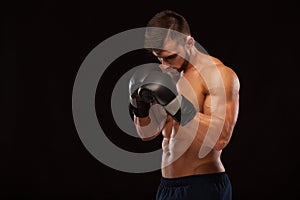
(188, 64)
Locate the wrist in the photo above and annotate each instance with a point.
(142, 109)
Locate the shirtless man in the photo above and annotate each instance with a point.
(193, 100)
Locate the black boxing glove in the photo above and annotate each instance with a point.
(159, 86)
(139, 109)
(137, 106)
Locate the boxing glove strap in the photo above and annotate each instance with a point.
(174, 105)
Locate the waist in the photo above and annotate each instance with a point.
(210, 164)
(194, 179)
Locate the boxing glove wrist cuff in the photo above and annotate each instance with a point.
(137, 112)
(185, 113)
(140, 114)
(174, 105)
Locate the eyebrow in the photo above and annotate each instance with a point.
(170, 56)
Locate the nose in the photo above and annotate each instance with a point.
(165, 63)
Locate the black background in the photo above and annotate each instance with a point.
(43, 44)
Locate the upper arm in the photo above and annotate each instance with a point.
(232, 87)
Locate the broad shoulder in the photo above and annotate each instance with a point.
(228, 75)
(206, 75)
(230, 78)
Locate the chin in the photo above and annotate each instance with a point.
(180, 69)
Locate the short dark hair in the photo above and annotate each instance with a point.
(166, 19)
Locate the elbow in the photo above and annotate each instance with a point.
(224, 137)
(223, 140)
(147, 136)
(220, 145)
(145, 139)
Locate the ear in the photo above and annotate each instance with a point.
(190, 42)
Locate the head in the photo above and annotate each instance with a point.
(172, 42)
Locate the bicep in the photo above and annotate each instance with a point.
(228, 97)
(232, 108)
(232, 99)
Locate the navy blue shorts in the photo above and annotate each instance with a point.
(215, 186)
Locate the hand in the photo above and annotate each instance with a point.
(159, 86)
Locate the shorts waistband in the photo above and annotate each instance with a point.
(194, 179)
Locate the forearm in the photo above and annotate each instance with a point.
(207, 131)
(145, 129)
(142, 121)
(217, 129)
(149, 127)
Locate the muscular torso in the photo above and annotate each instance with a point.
(181, 157)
